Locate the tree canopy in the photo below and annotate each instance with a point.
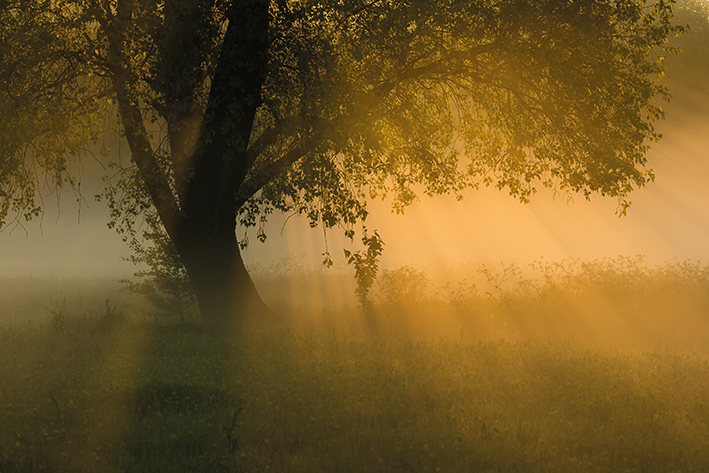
(234, 110)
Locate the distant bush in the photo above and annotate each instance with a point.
(613, 300)
(405, 285)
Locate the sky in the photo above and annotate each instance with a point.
(668, 219)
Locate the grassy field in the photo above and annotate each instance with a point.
(85, 396)
(564, 372)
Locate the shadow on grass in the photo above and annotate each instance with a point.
(88, 395)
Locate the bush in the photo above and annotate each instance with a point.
(165, 284)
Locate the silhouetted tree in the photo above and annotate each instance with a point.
(235, 109)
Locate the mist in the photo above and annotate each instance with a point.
(666, 227)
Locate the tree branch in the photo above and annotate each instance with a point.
(444, 65)
(251, 187)
(154, 177)
(267, 138)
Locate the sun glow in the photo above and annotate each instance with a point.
(443, 238)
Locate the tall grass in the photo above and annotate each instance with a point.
(38, 300)
(147, 398)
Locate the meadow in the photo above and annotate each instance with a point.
(567, 366)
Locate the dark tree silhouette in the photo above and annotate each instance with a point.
(235, 109)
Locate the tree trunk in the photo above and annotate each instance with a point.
(220, 162)
(224, 289)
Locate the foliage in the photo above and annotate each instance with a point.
(165, 284)
(237, 110)
(50, 106)
(366, 264)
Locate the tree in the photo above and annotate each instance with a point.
(233, 110)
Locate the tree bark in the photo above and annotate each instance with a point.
(225, 292)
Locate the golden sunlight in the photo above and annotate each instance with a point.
(489, 335)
